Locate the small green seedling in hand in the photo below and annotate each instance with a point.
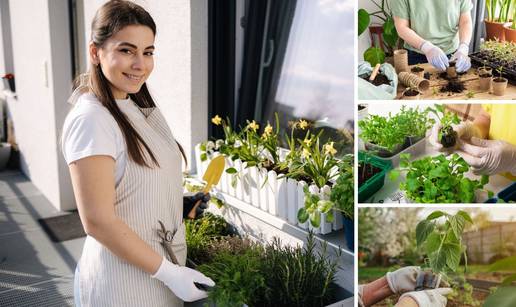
(447, 136)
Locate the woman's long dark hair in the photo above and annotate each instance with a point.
(112, 17)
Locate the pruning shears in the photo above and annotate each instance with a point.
(167, 237)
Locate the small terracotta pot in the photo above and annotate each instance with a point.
(494, 30)
(400, 60)
(499, 86)
(510, 34)
(485, 83)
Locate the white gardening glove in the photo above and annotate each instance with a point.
(429, 298)
(180, 280)
(488, 157)
(435, 56)
(403, 280)
(463, 63)
(465, 131)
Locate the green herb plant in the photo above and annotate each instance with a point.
(438, 180)
(446, 136)
(201, 232)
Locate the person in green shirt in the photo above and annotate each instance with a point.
(434, 31)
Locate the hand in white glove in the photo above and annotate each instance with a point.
(181, 280)
(465, 131)
(463, 63)
(429, 298)
(489, 157)
(435, 55)
(403, 280)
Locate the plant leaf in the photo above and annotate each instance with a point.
(423, 229)
(507, 264)
(508, 280)
(502, 297)
(434, 215)
(315, 219)
(231, 170)
(363, 21)
(302, 215)
(374, 55)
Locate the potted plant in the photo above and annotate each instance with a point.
(418, 70)
(497, 15)
(371, 175)
(499, 83)
(343, 198)
(486, 76)
(389, 34)
(446, 136)
(510, 29)
(411, 93)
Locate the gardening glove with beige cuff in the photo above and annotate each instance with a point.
(403, 280)
(429, 298)
(435, 55)
(489, 157)
(180, 280)
(463, 62)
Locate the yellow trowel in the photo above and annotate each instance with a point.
(212, 177)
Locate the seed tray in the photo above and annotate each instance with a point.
(508, 73)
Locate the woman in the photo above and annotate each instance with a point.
(434, 31)
(125, 167)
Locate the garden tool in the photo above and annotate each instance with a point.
(427, 280)
(167, 237)
(211, 176)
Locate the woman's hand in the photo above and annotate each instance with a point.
(190, 200)
(426, 298)
(489, 157)
(180, 280)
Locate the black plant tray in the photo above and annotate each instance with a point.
(510, 74)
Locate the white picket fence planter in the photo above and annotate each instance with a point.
(280, 197)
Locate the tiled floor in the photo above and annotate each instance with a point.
(34, 271)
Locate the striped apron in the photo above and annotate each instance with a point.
(143, 196)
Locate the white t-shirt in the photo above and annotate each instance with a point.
(89, 129)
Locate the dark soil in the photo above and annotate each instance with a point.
(444, 75)
(454, 86)
(449, 137)
(452, 64)
(499, 79)
(379, 80)
(367, 173)
(416, 69)
(427, 75)
(486, 75)
(274, 167)
(411, 93)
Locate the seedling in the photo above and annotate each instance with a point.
(447, 136)
(438, 180)
(470, 94)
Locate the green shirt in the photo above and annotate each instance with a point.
(436, 21)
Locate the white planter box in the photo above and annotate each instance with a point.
(262, 189)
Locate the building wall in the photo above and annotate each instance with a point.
(42, 65)
(42, 74)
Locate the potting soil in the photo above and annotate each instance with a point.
(379, 80)
(448, 138)
(411, 92)
(454, 86)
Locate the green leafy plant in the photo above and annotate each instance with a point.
(238, 278)
(498, 10)
(438, 180)
(446, 136)
(443, 245)
(374, 55)
(392, 131)
(342, 192)
(201, 232)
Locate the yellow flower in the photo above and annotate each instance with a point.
(268, 130)
(216, 120)
(308, 142)
(329, 150)
(305, 153)
(292, 124)
(253, 125)
(303, 124)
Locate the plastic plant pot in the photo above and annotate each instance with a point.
(381, 151)
(349, 232)
(375, 183)
(508, 194)
(416, 147)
